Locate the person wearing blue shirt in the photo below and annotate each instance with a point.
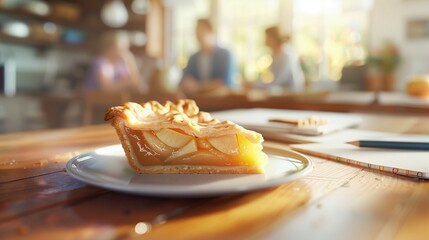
(211, 67)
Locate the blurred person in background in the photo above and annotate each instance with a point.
(210, 68)
(286, 67)
(115, 69)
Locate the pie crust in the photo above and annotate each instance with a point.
(178, 138)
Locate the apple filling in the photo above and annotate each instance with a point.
(174, 147)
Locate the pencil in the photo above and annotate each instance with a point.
(391, 144)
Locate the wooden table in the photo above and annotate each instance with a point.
(38, 200)
(320, 101)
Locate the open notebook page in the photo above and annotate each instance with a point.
(412, 163)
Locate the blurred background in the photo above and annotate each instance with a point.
(355, 51)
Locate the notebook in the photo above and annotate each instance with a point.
(257, 119)
(345, 135)
(410, 163)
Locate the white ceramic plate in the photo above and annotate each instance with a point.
(108, 168)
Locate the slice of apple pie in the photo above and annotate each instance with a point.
(178, 138)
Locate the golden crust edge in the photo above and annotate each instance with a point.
(132, 161)
(180, 169)
(121, 112)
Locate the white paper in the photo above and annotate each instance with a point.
(257, 119)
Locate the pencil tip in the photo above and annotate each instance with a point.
(356, 143)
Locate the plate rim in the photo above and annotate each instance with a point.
(178, 192)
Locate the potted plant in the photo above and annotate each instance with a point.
(373, 81)
(384, 65)
(389, 62)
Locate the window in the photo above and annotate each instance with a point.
(184, 17)
(241, 28)
(329, 35)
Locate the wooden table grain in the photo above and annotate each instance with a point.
(38, 200)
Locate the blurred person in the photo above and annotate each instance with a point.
(286, 67)
(211, 67)
(115, 69)
(150, 68)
